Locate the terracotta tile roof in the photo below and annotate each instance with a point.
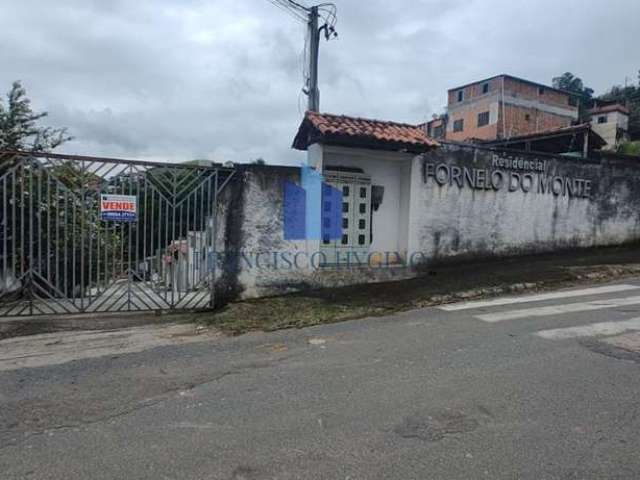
(361, 132)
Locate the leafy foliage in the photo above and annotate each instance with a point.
(630, 96)
(19, 129)
(630, 148)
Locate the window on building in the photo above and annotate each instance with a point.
(540, 90)
(362, 224)
(345, 191)
(483, 119)
(345, 223)
(602, 119)
(527, 117)
(485, 88)
(460, 95)
(458, 125)
(438, 131)
(345, 239)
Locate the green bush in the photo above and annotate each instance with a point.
(630, 148)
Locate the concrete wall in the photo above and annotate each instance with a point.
(609, 130)
(250, 226)
(432, 208)
(449, 220)
(255, 259)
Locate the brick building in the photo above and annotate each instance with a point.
(505, 106)
(436, 127)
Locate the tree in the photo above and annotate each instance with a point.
(570, 83)
(55, 197)
(19, 129)
(630, 97)
(259, 161)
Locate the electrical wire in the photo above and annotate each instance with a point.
(293, 13)
(327, 12)
(306, 9)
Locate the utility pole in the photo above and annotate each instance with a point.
(314, 46)
(312, 16)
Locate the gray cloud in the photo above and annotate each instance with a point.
(221, 79)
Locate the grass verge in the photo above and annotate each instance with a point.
(439, 284)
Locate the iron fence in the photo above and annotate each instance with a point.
(87, 234)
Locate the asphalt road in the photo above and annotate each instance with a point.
(519, 390)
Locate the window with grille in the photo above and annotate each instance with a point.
(483, 119)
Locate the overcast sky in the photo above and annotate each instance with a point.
(220, 79)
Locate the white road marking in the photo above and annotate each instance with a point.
(559, 309)
(537, 298)
(604, 328)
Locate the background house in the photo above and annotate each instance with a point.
(611, 122)
(505, 106)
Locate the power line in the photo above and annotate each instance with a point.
(302, 7)
(293, 13)
(311, 16)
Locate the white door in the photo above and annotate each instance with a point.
(352, 247)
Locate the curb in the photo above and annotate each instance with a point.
(604, 273)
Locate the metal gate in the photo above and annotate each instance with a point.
(85, 234)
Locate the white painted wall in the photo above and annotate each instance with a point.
(314, 156)
(609, 130)
(391, 170)
(447, 221)
(426, 218)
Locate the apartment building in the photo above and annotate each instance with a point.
(505, 106)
